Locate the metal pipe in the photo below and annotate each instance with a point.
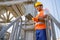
(53, 30)
(17, 30)
(47, 29)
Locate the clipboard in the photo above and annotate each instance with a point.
(29, 16)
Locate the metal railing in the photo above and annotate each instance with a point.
(17, 24)
(50, 29)
(16, 29)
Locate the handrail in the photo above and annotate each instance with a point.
(55, 21)
(7, 27)
(50, 20)
(16, 31)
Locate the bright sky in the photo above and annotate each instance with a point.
(54, 8)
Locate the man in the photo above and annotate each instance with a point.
(39, 20)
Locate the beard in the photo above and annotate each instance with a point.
(40, 9)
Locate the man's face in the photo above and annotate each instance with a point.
(39, 8)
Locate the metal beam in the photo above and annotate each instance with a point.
(2, 9)
(2, 18)
(12, 11)
(17, 2)
(28, 2)
(11, 18)
(21, 8)
(16, 10)
(10, 2)
(2, 22)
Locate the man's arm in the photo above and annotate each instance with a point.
(46, 12)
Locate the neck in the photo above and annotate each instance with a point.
(41, 10)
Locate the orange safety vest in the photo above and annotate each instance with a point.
(41, 25)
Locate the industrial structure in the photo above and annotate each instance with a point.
(16, 23)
